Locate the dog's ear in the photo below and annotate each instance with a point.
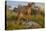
(30, 4)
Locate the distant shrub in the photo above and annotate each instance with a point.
(11, 17)
(33, 18)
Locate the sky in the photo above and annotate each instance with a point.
(16, 3)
